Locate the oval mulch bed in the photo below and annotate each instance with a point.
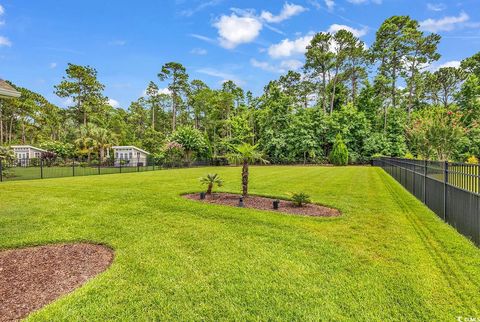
(32, 277)
(263, 203)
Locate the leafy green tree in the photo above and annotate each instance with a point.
(353, 127)
(319, 61)
(61, 149)
(421, 52)
(435, 133)
(178, 86)
(339, 154)
(468, 99)
(246, 154)
(191, 139)
(83, 88)
(448, 80)
(391, 49)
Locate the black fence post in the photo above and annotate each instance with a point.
(425, 172)
(73, 167)
(120, 163)
(98, 167)
(1, 170)
(445, 190)
(138, 161)
(41, 168)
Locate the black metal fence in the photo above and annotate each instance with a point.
(451, 190)
(33, 168)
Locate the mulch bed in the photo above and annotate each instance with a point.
(32, 277)
(263, 203)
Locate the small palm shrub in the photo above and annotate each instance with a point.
(300, 199)
(339, 154)
(210, 180)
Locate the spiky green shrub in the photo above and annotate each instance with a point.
(299, 199)
(210, 180)
(339, 154)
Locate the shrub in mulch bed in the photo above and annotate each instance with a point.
(32, 277)
(264, 203)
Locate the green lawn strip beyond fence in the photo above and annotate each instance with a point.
(387, 258)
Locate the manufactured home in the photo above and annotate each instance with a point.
(130, 156)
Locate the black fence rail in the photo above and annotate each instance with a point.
(451, 190)
(28, 169)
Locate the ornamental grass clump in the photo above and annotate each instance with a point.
(339, 154)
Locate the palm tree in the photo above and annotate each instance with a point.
(104, 140)
(211, 180)
(246, 154)
(84, 142)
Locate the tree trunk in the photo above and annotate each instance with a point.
(332, 101)
(102, 155)
(174, 111)
(354, 91)
(394, 88)
(209, 189)
(153, 117)
(324, 94)
(23, 132)
(245, 178)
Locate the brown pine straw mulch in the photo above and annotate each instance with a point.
(263, 203)
(32, 277)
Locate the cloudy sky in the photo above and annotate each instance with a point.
(250, 42)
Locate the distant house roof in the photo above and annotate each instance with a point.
(28, 147)
(6, 90)
(129, 147)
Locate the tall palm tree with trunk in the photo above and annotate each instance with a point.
(246, 154)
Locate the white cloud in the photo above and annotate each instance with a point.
(436, 6)
(53, 65)
(287, 47)
(330, 4)
(453, 63)
(203, 38)
(68, 102)
(288, 10)
(198, 51)
(118, 42)
(113, 103)
(224, 76)
(235, 30)
(4, 41)
(2, 10)
(365, 1)
(164, 90)
(266, 66)
(356, 32)
(445, 24)
(291, 64)
(2, 23)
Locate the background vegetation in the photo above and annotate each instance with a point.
(383, 100)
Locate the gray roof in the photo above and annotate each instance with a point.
(6, 90)
(129, 147)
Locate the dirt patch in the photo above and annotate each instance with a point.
(32, 277)
(263, 203)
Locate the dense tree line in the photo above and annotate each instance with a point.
(381, 100)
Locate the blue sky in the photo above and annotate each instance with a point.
(250, 42)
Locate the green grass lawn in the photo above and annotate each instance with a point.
(387, 258)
